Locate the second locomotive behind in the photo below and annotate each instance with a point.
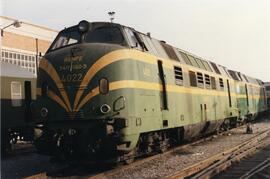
(106, 91)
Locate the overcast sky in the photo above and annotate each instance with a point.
(233, 33)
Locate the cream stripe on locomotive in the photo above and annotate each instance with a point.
(50, 70)
(158, 87)
(54, 97)
(125, 84)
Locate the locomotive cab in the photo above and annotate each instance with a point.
(79, 112)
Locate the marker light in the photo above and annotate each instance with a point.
(44, 112)
(83, 26)
(105, 108)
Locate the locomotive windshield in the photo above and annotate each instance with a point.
(67, 37)
(102, 34)
(105, 34)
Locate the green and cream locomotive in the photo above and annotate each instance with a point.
(108, 92)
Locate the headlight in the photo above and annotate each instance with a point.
(105, 108)
(83, 26)
(44, 112)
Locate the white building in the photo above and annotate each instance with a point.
(22, 42)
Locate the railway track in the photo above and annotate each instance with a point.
(144, 160)
(112, 171)
(256, 166)
(221, 161)
(192, 170)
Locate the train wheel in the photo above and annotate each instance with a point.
(226, 125)
(130, 157)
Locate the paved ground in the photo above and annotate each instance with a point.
(19, 166)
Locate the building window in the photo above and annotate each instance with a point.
(200, 80)
(213, 82)
(178, 76)
(16, 94)
(192, 78)
(207, 81)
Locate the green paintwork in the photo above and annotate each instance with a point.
(184, 109)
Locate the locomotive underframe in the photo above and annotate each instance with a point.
(97, 139)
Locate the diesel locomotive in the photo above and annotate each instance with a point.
(108, 92)
(267, 88)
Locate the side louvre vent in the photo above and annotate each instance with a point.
(178, 74)
(200, 80)
(207, 81)
(221, 84)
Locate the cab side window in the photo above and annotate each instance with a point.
(132, 40)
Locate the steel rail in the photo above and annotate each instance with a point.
(221, 161)
(257, 169)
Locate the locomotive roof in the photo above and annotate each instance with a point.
(225, 69)
(215, 68)
(10, 70)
